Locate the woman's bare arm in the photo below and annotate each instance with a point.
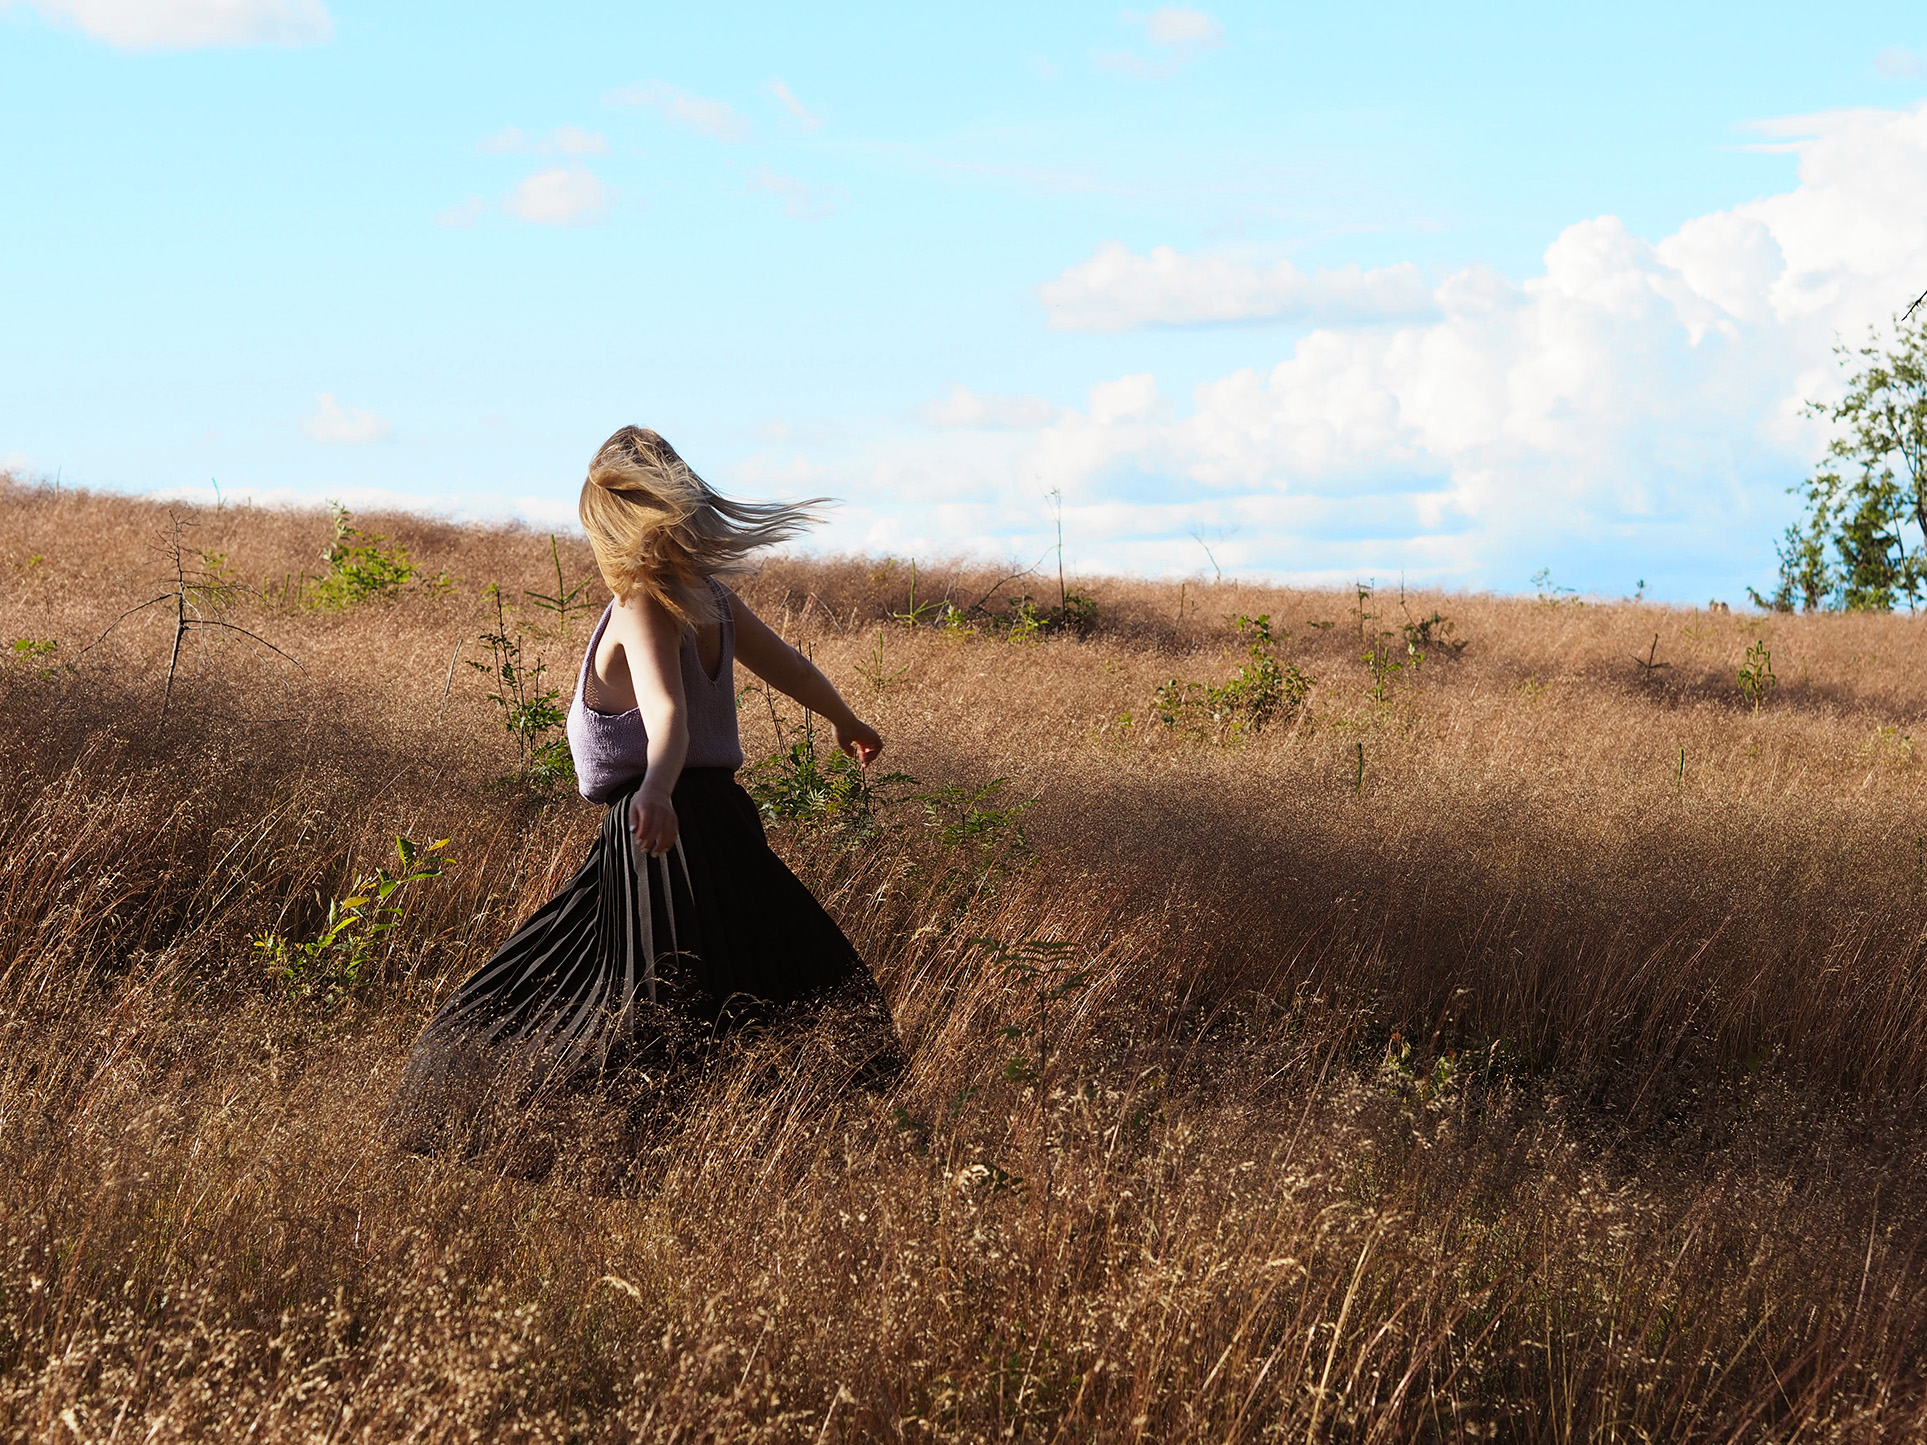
(784, 668)
(650, 638)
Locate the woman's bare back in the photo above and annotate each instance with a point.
(616, 689)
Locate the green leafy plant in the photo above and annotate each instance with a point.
(1026, 622)
(1256, 695)
(328, 967)
(874, 671)
(37, 655)
(528, 711)
(1076, 616)
(565, 601)
(1381, 662)
(1551, 593)
(359, 566)
(1361, 595)
(827, 791)
(1407, 1078)
(981, 819)
(918, 612)
(1045, 972)
(1756, 677)
(1650, 664)
(832, 792)
(1431, 634)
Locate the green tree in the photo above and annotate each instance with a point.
(1863, 543)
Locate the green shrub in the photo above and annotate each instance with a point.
(529, 711)
(1756, 677)
(1262, 690)
(362, 565)
(328, 967)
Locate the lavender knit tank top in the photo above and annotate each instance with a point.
(611, 749)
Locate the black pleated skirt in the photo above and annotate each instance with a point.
(640, 967)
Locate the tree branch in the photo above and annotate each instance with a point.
(117, 622)
(232, 627)
(1005, 582)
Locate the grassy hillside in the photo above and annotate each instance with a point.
(1524, 1043)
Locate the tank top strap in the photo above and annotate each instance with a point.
(585, 680)
(726, 620)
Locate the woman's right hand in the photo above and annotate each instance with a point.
(858, 739)
(652, 822)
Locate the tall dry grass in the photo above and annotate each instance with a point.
(1530, 1089)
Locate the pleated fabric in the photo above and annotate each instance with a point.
(639, 966)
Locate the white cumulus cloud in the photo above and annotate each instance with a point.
(714, 118)
(562, 196)
(1116, 290)
(333, 422)
(192, 24)
(1631, 409)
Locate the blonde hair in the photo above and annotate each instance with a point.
(658, 529)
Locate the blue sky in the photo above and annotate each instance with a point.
(1330, 291)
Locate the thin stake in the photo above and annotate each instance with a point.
(1057, 510)
(449, 682)
(180, 631)
(1682, 766)
(1359, 786)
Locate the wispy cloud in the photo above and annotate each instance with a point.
(975, 409)
(801, 201)
(1899, 63)
(801, 113)
(353, 425)
(1116, 290)
(1037, 178)
(190, 24)
(713, 118)
(1177, 32)
(1182, 28)
(567, 140)
(459, 217)
(562, 196)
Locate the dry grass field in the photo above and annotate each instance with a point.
(1528, 1045)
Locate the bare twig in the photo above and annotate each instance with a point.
(236, 627)
(179, 595)
(977, 606)
(117, 622)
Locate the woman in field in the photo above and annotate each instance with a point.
(682, 925)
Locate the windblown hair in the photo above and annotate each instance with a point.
(658, 529)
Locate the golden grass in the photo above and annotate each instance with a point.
(1530, 1090)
